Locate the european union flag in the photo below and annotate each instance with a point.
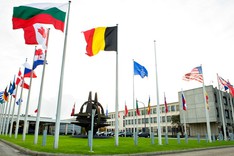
(140, 70)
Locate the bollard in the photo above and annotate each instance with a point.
(198, 138)
(152, 138)
(178, 138)
(44, 137)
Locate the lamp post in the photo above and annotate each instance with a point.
(144, 114)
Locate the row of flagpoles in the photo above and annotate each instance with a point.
(40, 34)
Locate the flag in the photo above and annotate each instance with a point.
(183, 101)
(140, 70)
(19, 101)
(28, 70)
(148, 109)
(39, 58)
(12, 87)
(19, 81)
(195, 74)
(36, 110)
(223, 82)
(231, 89)
(165, 103)
(100, 38)
(207, 100)
(137, 109)
(125, 110)
(1, 97)
(118, 115)
(36, 34)
(5, 95)
(45, 13)
(73, 110)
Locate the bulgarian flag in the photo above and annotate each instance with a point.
(45, 13)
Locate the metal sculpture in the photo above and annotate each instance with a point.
(84, 117)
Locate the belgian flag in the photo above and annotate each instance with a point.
(101, 39)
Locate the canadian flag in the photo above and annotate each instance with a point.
(36, 34)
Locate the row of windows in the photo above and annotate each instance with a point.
(228, 114)
(142, 121)
(154, 129)
(172, 108)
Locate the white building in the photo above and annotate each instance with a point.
(195, 116)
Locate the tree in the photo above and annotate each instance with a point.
(175, 121)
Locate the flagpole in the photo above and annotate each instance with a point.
(149, 117)
(232, 109)
(13, 111)
(134, 115)
(28, 99)
(58, 112)
(206, 111)
(40, 94)
(19, 108)
(182, 109)
(116, 96)
(8, 117)
(3, 116)
(221, 107)
(165, 112)
(157, 96)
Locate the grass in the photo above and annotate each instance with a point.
(72, 145)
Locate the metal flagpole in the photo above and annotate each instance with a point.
(165, 113)
(58, 112)
(3, 115)
(13, 111)
(116, 98)
(157, 96)
(134, 114)
(183, 112)
(232, 110)
(206, 111)
(8, 117)
(221, 107)
(4, 119)
(19, 108)
(40, 94)
(28, 98)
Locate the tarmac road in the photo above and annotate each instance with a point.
(227, 151)
(6, 150)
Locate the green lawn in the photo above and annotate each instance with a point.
(71, 145)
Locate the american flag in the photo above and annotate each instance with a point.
(223, 82)
(195, 74)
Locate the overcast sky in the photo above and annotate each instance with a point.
(188, 33)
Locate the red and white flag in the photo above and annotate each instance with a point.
(36, 34)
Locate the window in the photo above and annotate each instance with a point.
(163, 119)
(173, 108)
(215, 96)
(225, 101)
(226, 113)
(168, 118)
(217, 111)
(163, 109)
(155, 119)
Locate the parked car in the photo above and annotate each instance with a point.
(109, 134)
(100, 133)
(144, 134)
(128, 134)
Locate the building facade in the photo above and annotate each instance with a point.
(194, 118)
(144, 122)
